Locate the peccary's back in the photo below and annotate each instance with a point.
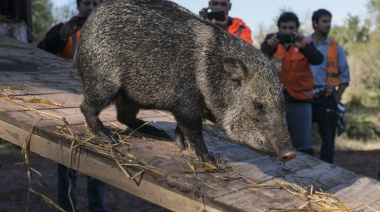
(144, 47)
(160, 54)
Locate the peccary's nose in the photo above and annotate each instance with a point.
(287, 156)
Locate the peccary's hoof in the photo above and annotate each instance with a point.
(150, 130)
(181, 142)
(209, 158)
(108, 138)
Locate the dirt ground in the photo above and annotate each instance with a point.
(14, 183)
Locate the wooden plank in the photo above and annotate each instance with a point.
(37, 88)
(150, 150)
(104, 170)
(263, 169)
(251, 199)
(58, 100)
(323, 176)
(71, 111)
(188, 183)
(53, 118)
(358, 191)
(373, 206)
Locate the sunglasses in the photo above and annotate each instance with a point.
(216, 3)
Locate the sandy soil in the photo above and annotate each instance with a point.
(14, 183)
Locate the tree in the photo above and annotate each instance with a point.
(42, 19)
(64, 12)
(350, 34)
(370, 64)
(373, 7)
(366, 48)
(368, 52)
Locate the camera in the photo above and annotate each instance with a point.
(286, 38)
(217, 15)
(80, 21)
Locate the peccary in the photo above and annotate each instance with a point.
(155, 54)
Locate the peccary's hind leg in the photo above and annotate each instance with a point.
(91, 108)
(180, 139)
(126, 113)
(192, 130)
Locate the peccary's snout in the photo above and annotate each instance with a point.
(287, 156)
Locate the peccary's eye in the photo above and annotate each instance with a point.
(258, 105)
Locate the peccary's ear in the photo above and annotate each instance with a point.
(235, 68)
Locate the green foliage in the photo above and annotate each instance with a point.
(374, 8)
(45, 16)
(42, 19)
(355, 102)
(64, 12)
(358, 127)
(371, 100)
(2, 141)
(9, 151)
(352, 33)
(368, 54)
(361, 41)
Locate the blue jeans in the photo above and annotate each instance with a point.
(299, 119)
(95, 191)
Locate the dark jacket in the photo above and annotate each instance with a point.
(52, 41)
(310, 51)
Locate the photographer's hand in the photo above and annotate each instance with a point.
(301, 41)
(203, 12)
(273, 41)
(69, 28)
(221, 24)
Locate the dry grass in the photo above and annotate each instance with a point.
(314, 200)
(343, 144)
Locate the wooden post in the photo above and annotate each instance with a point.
(18, 10)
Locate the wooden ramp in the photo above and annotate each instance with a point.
(40, 96)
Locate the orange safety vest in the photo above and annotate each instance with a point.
(295, 75)
(332, 72)
(240, 30)
(69, 50)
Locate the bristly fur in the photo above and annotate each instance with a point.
(154, 54)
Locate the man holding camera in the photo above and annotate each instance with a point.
(296, 54)
(331, 74)
(217, 12)
(61, 40)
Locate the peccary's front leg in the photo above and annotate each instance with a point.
(192, 130)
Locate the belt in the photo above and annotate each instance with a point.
(319, 91)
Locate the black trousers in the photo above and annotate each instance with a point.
(324, 111)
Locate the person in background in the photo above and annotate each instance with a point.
(331, 78)
(61, 40)
(296, 54)
(235, 26)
